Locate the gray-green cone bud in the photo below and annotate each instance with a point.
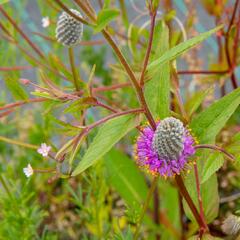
(168, 139)
(69, 30)
(231, 225)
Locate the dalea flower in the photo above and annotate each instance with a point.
(231, 225)
(28, 171)
(69, 30)
(44, 149)
(164, 151)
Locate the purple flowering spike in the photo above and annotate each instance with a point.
(165, 151)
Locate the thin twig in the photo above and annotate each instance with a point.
(149, 47)
(15, 68)
(216, 148)
(226, 46)
(19, 143)
(20, 103)
(191, 72)
(190, 203)
(73, 67)
(67, 10)
(14, 24)
(122, 59)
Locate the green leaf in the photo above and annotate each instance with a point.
(108, 135)
(206, 126)
(180, 48)
(105, 16)
(157, 90)
(234, 148)
(170, 207)
(15, 88)
(127, 180)
(209, 194)
(3, 1)
(209, 122)
(204, 237)
(57, 64)
(45, 95)
(195, 101)
(211, 165)
(106, 4)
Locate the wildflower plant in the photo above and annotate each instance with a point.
(90, 105)
(165, 151)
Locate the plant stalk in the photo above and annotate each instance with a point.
(186, 196)
(216, 148)
(199, 193)
(145, 206)
(73, 67)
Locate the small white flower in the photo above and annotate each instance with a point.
(28, 171)
(44, 149)
(45, 22)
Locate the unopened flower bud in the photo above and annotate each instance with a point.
(69, 30)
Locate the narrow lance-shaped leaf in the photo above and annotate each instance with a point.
(127, 180)
(209, 195)
(206, 126)
(209, 122)
(157, 90)
(108, 135)
(3, 1)
(105, 16)
(195, 101)
(211, 165)
(15, 88)
(181, 48)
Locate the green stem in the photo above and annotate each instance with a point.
(73, 67)
(5, 186)
(15, 142)
(124, 12)
(145, 206)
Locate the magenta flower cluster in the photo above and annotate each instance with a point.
(148, 157)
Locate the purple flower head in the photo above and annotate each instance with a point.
(165, 151)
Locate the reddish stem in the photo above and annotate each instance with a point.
(112, 87)
(20, 103)
(15, 68)
(189, 72)
(67, 10)
(186, 196)
(34, 47)
(6, 113)
(106, 107)
(149, 47)
(114, 115)
(231, 64)
(199, 195)
(216, 148)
